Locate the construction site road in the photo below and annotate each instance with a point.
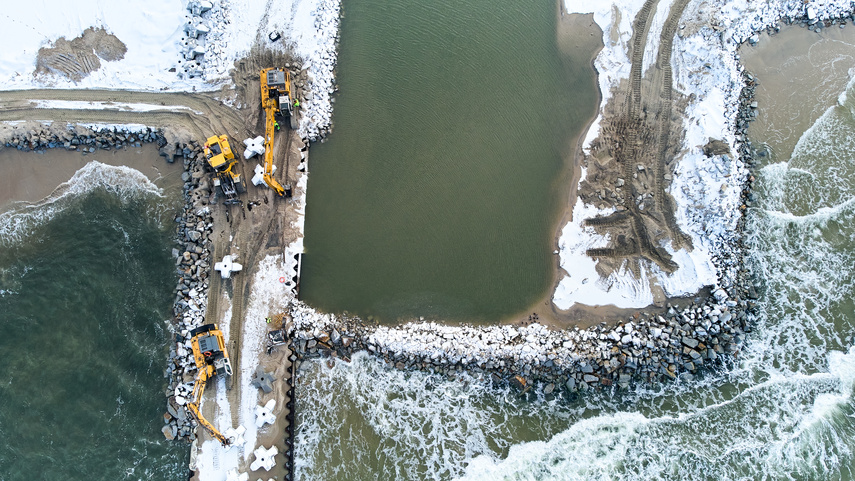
(631, 162)
(196, 115)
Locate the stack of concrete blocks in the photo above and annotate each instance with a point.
(196, 28)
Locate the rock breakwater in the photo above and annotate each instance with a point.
(676, 344)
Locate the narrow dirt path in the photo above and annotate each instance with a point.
(201, 116)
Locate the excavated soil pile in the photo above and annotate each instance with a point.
(77, 58)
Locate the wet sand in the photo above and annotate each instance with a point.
(576, 35)
(31, 176)
(802, 73)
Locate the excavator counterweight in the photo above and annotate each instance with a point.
(212, 359)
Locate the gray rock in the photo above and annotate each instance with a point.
(589, 378)
(691, 342)
(549, 388)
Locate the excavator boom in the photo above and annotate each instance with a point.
(193, 406)
(275, 88)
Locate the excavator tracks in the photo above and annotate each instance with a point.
(636, 133)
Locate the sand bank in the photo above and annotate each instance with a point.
(31, 176)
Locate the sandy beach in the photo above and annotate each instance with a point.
(31, 176)
(797, 68)
(579, 40)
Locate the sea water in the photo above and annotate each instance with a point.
(782, 409)
(86, 288)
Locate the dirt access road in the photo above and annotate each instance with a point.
(630, 166)
(190, 116)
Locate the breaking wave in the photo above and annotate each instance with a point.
(124, 182)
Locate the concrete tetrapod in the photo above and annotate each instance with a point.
(264, 414)
(264, 458)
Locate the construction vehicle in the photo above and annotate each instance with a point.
(209, 352)
(222, 160)
(276, 101)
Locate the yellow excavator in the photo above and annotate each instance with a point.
(209, 352)
(220, 157)
(276, 101)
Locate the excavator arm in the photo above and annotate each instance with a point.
(193, 406)
(269, 105)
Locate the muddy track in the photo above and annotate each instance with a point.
(205, 116)
(251, 239)
(640, 29)
(633, 149)
(637, 133)
(666, 152)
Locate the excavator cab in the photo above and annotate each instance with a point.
(278, 83)
(220, 157)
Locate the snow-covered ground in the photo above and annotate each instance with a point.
(156, 39)
(707, 190)
(125, 106)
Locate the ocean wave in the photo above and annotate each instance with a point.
(124, 182)
(780, 428)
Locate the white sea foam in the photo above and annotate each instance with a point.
(413, 425)
(124, 182)
(407, 425)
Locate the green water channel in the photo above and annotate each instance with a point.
(439, 192)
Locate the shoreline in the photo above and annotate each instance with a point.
(719, 323)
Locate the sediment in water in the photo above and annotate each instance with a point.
(192, 236)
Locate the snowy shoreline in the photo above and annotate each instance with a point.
(174, 46)
(707, 190)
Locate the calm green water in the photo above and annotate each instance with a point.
(85, 286)
(439, 191)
